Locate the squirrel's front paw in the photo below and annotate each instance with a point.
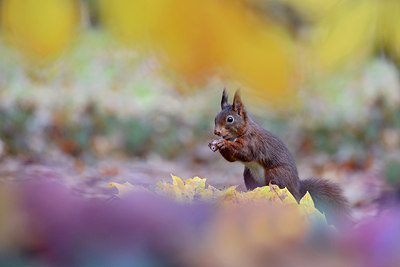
(216, 145)
(212, 146)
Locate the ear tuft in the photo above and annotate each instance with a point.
(224, 100)
(237, 103)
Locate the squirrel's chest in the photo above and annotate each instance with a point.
(257, 171)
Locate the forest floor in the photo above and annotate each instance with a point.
(363, 187)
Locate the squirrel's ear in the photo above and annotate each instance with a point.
(237, 103)
(224, 100)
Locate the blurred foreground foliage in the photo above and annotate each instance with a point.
(46, 224)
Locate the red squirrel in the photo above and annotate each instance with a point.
(267, 160)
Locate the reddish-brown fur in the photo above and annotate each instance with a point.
(246, 141)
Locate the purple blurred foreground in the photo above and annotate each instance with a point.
(46, 224)
(61, 229)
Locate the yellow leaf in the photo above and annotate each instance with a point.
(307, 200)
(230, 190)
(195, 189)
(176, 181)
(308, 208)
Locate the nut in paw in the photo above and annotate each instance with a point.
(216, 145)
(212, 146)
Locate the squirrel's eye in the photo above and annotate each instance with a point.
(229, 119)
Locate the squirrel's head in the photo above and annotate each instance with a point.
(231, 122)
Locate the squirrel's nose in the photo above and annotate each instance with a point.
(217, 132)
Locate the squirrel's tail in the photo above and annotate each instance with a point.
(329, 199)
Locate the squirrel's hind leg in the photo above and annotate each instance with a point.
(249, 180)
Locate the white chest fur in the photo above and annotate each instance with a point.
(257, 171)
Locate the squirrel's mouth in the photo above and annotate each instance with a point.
(227, 137)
